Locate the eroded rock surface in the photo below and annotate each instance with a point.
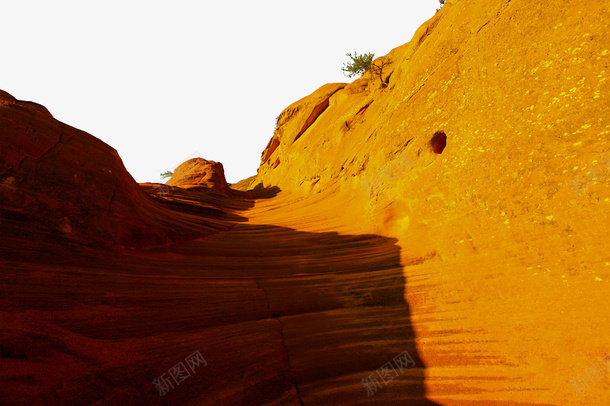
(200, 172)
(504, 216)
(57, 182)
(457, 216)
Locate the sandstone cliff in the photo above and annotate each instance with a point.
(520, 92)
(487, 157)
(436, 239)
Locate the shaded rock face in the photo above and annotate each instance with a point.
(200, 172)
(57, 182)
(265, 306)
(274, 310)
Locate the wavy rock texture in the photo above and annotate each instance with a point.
(487, 157)
(281, 314)
(436, 239)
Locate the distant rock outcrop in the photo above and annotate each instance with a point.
(200, 172)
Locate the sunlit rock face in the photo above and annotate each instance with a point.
(492, 129)
(435, 234)
(487, 156)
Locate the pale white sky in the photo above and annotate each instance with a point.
(162, 81)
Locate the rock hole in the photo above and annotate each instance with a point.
(438, 142)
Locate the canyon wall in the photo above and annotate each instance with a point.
(519, 90)
(435, 234)
(484, 149)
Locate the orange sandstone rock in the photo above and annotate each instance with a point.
(200, 172)
(457, 215)
(503, 219)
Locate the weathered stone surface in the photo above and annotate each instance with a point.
(508, 220)
(57, 182)
(200, 172)
(458, 214)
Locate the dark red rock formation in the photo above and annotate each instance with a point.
(266, 306)
(57, 182)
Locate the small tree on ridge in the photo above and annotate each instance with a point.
(363, 63)
(359, 64)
